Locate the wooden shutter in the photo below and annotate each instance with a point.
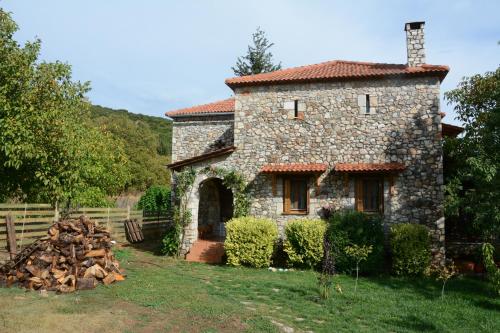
(381, 196)
(359, 194)
(286, 196)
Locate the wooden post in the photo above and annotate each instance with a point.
(107, 223)
(11, 236)
(128, 212)
(56, 212)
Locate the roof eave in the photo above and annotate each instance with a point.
(201, 114)
(188, 161)
(440, 74)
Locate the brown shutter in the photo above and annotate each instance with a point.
(359, 194)
(286, 195)
(381, 193)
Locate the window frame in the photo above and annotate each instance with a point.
(359, 194)
(287, 204)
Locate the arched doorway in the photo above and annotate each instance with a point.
(215, 209)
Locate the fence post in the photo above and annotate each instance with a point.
(108, 224)
(128, 212)
(11, 235)
(56, 212)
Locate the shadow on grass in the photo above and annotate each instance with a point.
(152, 246)
(488, 305)
(412, 323)
(429, 288)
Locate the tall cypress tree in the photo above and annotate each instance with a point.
(258, 58)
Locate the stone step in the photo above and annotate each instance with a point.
(206, 251)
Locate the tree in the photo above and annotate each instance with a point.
(49, 151)
(473, 162)
(145, 164)
(258, 58)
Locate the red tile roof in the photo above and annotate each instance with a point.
(336, 70)
(369, 167)
(226, 105)
(188, 161)
(451, 130)
(294, 168)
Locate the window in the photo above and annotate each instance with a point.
(296, 108)
(370, 195)
(296, 195)
(367, 110)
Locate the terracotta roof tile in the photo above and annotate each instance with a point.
(336, 70)
(369, 167)
(294, 168)
(226, 105)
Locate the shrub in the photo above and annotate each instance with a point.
(410, 246)
(171, 241)
(156, 198)
(250, 241)
(304, 242)
(493, 271)
(355, 228)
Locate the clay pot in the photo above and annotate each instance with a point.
(465, 266)
(479, 268)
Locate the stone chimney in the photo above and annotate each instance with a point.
(415, 43)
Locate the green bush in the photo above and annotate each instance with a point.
(250, 241)
(493, 271)
(171, 241)
(156, 198)
(410, 247)
(355, 228)
(304, 242)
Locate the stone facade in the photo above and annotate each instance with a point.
(402, 125)
(193, 136)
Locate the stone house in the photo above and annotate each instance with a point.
(342, 134)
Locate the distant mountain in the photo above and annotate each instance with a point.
(158, 125)
(148, 143)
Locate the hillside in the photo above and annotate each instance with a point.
(147, 141)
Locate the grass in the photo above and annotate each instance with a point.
(163, 295)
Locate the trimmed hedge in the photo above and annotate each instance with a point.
(356, 228)
(410, 246)
(304, 242)
(250, 241)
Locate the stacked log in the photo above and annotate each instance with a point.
(76, 254)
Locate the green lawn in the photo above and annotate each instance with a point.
(166, 295)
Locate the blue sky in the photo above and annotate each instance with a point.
(152, 56)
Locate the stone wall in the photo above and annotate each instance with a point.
(403, 125)
(199, 135)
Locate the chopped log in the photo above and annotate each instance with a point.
(95, 253)
(86, 283)
(109, 279)
(118, 277)
(75, 254)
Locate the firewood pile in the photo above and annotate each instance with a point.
(75, 255)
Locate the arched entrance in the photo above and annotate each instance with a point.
(215, 208)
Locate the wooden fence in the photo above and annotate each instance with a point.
(32, 221)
